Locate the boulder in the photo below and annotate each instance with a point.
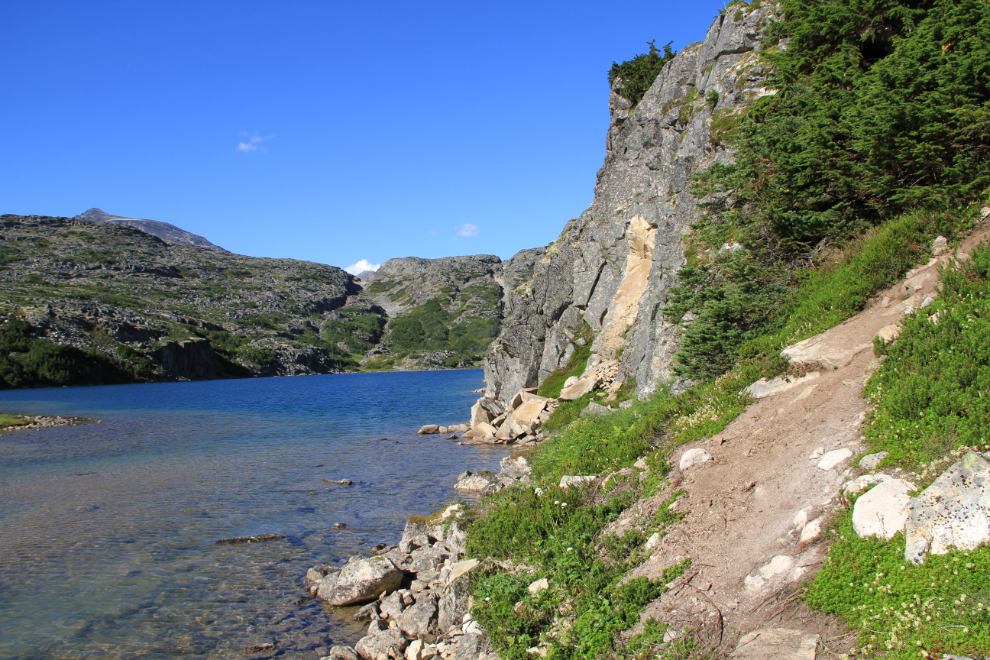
(528, 413)
(359, 581)
(834, 458)
(427, 559)
(388, 643)
(883, 511)
(522, 396)
(595, 408)
(479, 415)
(510, 429)
(475, 481)
(484, 431)
(953, 512)
(693, 457)
(437, 529)
(940, 245)
(578, 389)
(420, 619)
(429, 429)
(391, 606)
(514, 468)
(456, 595)
(458, 428)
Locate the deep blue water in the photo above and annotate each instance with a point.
(108, 530)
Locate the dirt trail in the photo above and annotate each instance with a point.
(746, 508)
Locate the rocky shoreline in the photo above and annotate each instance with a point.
(416, 595)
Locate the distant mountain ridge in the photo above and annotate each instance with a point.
(163, 230)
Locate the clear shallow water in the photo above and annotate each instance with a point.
(107, 530)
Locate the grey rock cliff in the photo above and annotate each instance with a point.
(613, 267)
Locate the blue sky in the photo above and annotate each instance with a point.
(326, 131)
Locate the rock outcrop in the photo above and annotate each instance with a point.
(614, 266)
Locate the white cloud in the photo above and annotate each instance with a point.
(467, 230)
(254, 143)
(361, 266)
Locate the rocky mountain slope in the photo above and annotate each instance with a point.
(135, 307)
(612, 267)
(446, 311)
(163, 230)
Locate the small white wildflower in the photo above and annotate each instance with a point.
(563, 504)
(569, 549)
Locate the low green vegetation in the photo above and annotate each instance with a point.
(11, 420)
(554, 382)
(929, 395)
(903, 611)
(434, 327)
(29, 362)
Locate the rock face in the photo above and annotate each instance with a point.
(952, 512)
(613, 267)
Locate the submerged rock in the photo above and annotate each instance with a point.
(260, 538)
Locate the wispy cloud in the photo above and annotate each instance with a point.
(361, 266)
(254, 142)
(467, 230)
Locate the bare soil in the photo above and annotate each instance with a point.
(740, 529)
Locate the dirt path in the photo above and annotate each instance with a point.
(747, 508)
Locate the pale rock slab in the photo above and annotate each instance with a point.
(817, 350)
(777, 644)
(578, 389)
(528, 413)
(940, 245)
(693, 457)
(953, 512)
(834, 458)
(763, 388)
(883, 511)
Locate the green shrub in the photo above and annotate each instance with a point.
(929, 395)
(639, 73)
(904, 611)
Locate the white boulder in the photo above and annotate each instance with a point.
(693, 457)
(883, 511)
